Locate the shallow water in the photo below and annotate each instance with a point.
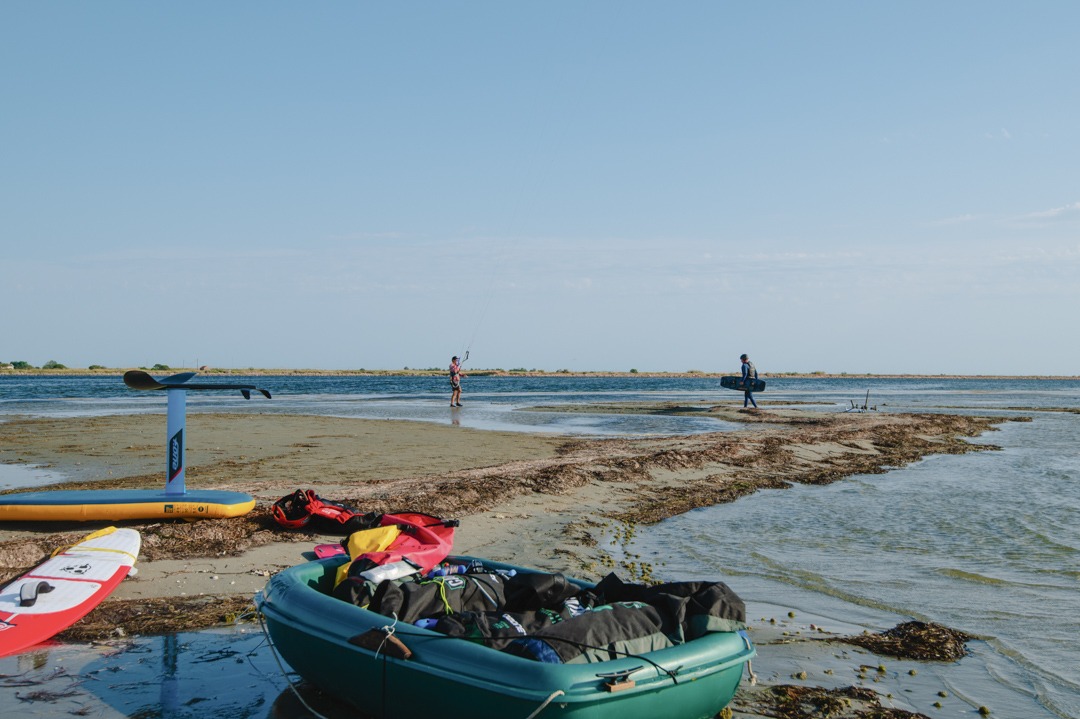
(17, 476)
(491, 403)
(988, 543)
(215, 673)
(501, 402)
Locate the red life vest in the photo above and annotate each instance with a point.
(297, 510)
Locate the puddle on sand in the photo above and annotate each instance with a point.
(222, 672)
(27, 476)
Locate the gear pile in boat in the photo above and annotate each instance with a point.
(536, 615)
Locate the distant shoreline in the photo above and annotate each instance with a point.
(251, 372)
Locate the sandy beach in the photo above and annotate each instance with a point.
(544, 501)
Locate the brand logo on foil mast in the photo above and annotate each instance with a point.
(176, 454)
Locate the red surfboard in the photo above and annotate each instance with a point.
(62, 590)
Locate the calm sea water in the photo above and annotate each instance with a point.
(988, 543)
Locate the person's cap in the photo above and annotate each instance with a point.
(455, 357)
(743, 357)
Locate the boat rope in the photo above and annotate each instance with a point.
(750, 671)
(281, 667)
(388, 631)
(443, 597)
(448, 608)
(542, 707)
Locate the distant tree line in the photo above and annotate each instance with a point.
(51, 364)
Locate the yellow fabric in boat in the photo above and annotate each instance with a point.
(366, 540)
(371, 540)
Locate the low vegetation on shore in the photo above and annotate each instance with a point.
(56, 369)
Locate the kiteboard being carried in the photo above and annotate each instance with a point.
(737, 383)
(62, 590)
(114, 505)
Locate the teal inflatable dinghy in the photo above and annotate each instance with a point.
(392, 665)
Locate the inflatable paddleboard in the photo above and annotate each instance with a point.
(756, 385)
(115, 505)
(62, 590)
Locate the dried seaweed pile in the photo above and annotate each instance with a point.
(164, 615)
(787, 701)
(211, 537)
(915, 640)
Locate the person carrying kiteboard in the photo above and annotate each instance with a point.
(455, 382)
(749, 374)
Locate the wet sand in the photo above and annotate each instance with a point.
(544, 501)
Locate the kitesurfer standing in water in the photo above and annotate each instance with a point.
(455, 382)
(749, 374)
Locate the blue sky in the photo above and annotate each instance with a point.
(842, 187)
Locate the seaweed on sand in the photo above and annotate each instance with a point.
(915, 640)
(163, 615)
(786, 701)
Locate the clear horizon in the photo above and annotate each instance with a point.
(884, 187)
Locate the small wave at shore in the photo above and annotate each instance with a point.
(971, 576)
